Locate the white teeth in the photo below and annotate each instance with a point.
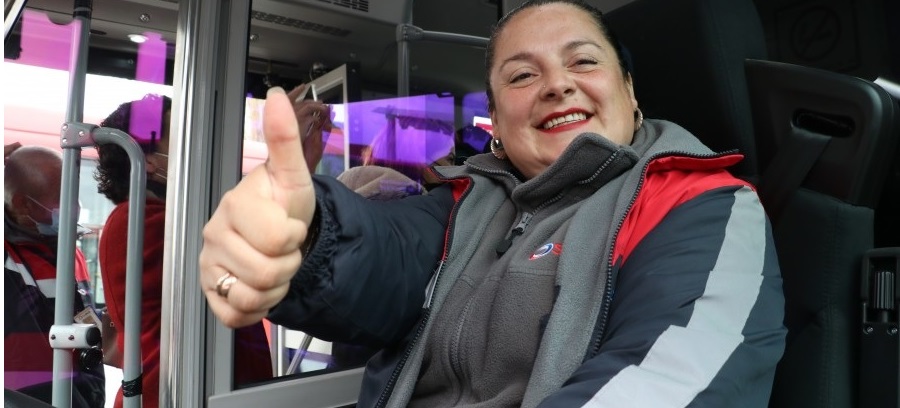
(572, 117)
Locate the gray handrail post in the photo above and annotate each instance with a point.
(134, 266)
(72, 139)
(74, 136)
(407, 32)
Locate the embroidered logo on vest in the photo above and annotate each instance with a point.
(545, 249)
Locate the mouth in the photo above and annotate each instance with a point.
(564, 120)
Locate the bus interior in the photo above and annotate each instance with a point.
(807, 90)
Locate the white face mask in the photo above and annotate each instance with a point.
(162, 173)
(50, 230)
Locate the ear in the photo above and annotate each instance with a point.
(17, 200)
(494, 133)
(629, 83)
(18, 206)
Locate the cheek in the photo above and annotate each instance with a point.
(511, 118)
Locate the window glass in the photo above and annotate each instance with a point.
(127, 59)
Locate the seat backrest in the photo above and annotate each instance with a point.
(689, 67)
(688, 58)
(827, 223)
(859, 118)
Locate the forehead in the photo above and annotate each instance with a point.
(549, 23)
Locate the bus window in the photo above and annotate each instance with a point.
(373, 125)
(124, 63)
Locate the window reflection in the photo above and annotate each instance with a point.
(38, 56)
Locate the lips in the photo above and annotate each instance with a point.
(564, 120)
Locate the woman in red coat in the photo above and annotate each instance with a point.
(147, 121)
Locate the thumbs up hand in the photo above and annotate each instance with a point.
(252, 242)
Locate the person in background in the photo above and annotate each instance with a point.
(147, 122)
(31, 225)
(595, 258)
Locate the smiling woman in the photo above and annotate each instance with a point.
(560, 81)
(588, 261)
(523, 304)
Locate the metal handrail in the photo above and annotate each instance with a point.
(74, 136)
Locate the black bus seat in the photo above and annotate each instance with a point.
(832, 139)
(689, 67)
(688, 58)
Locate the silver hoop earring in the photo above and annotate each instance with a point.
(497, 149)
(638, 119)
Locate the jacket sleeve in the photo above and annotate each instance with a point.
(364, 279)
(696, 314)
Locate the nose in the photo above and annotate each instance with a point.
(557, 84)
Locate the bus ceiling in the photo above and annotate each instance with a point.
(289, 37)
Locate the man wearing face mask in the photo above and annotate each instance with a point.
(31, 224)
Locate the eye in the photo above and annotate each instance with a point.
(584, 64)
(521, 77)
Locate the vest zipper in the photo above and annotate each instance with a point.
(520, 228)
(504, 245)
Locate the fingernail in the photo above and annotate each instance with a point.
(274, 89)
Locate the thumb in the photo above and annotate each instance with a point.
(286, 166)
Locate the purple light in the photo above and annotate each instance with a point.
(44, 43)
(151, 59)
(146, 119)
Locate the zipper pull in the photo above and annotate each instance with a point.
(504, 245)
(429, 290)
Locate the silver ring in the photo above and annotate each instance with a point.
(223, 285)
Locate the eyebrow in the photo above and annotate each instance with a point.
(572, 45)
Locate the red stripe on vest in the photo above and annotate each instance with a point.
(669, 182)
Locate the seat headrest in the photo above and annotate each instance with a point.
(688, 60)
(860, 119)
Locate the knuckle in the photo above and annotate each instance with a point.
(208, 234)
(274, 244)
(230, 319)
(268, 275)
(249, 302)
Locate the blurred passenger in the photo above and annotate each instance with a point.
(380, 183)
(412, 145)
(31, 225)
(147, 121)
(467, 137)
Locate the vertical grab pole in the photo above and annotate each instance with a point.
(402, 61)
(403, 51)
(134, 266)
(68, 202)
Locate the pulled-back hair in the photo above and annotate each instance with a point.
(595, 14)
(114, 167)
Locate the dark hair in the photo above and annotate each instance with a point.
(596, 14)
(114, 167)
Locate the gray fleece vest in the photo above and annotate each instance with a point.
(501, 322)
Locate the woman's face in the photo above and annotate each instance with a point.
(554, 77)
